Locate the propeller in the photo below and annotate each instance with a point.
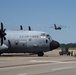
(21, 28)
(2, 34)
(29, 28)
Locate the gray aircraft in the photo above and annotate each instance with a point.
(22, 41)
(58, 27)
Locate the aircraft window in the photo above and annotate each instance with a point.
(30, 39)
(21, 36)
(46, 41)
(23, 44)
(26, 36)
(30, 36)
(43, 35)
(48, 36)
(16, 43)
(35, 36)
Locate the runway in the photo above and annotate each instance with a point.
(34, 65)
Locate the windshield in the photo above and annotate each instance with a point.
(43, 35)
(48, 36)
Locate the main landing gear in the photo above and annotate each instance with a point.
(40, 53)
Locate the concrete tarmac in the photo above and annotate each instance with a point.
(50, 64)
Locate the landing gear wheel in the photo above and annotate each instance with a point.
(40, 54)
(68, 53)
(60, 53)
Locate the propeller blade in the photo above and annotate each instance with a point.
(21, 28)
(29, 28)
(4, 38)
(2, 34)
(1, 26)
(4, 30)
(1, 41)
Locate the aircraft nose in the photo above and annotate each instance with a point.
(54, 44)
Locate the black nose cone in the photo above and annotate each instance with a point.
(54, 44)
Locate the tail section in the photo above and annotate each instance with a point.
(55, 26)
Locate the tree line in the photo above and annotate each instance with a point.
(69, 45)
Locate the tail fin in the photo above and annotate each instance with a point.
(55, 26)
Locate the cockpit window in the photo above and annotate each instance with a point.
(43, 35)
(48, 36)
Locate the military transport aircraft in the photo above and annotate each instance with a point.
(58, 27)
(22, 41)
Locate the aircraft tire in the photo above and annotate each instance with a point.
(60, 53)
(40, 54)
(68, 53)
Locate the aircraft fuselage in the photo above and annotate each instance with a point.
(28, 42)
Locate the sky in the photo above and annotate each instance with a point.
(40, 15)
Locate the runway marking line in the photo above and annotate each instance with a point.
(35, 62)
(63, 68)
(23, 74)
(45, 61)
